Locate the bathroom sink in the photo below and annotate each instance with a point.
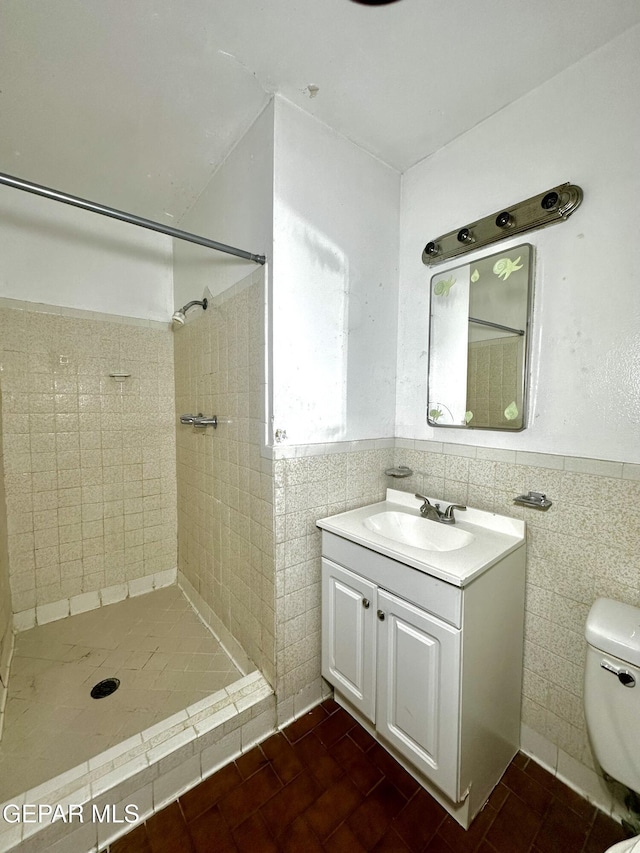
(417, 531)
(456, 553)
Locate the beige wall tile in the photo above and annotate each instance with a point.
(80, 440)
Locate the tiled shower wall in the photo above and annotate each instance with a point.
(496, 365)
(225, 486)
(89, 462)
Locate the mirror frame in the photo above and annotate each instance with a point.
(526, 355)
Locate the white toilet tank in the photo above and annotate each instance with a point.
(612, 689)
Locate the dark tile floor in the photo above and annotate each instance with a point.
(325, 785)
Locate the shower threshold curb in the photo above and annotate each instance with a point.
(145, 773)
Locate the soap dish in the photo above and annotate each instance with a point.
(399, 471)
(534, 499)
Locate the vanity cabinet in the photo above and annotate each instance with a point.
(431, 669)
(397, 665)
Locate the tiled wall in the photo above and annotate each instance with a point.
(89, 462)
(225, 487)
(335, 478)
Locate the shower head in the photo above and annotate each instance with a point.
(180, 316)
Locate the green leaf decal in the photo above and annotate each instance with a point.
(505, 266)
(511, 412)
(467, 417)
(442, 287)
(475, 275)
(434, 414)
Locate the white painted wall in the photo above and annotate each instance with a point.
(335, 256)
(583, 126)
(235, 208)
(64, 256)
(326, 215)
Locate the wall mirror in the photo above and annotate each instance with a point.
(479, 342)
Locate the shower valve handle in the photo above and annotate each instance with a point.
(201, 421)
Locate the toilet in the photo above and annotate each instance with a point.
(631, 845)
(612, 695)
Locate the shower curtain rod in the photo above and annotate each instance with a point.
(92, 207)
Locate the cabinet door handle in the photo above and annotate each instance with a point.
(381, 615)
(366, 603)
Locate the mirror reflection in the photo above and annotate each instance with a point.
(479, 341)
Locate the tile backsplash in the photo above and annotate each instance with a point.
(89, 461)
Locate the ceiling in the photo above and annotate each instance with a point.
(133, 103)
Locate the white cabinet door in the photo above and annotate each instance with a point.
(418, 689)
(348, 636)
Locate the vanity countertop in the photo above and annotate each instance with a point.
(492, 537)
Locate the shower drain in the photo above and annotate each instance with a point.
(105, 688)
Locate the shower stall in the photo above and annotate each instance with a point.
(137, 626)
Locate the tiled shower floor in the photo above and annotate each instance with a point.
(155, 644)
(323, 784)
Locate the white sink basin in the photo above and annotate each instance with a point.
(417, 531)
(455, 553)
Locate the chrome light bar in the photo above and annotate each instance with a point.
(547, 208)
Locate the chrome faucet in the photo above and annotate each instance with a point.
(433, 511)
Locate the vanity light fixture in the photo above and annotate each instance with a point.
(547, 208)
